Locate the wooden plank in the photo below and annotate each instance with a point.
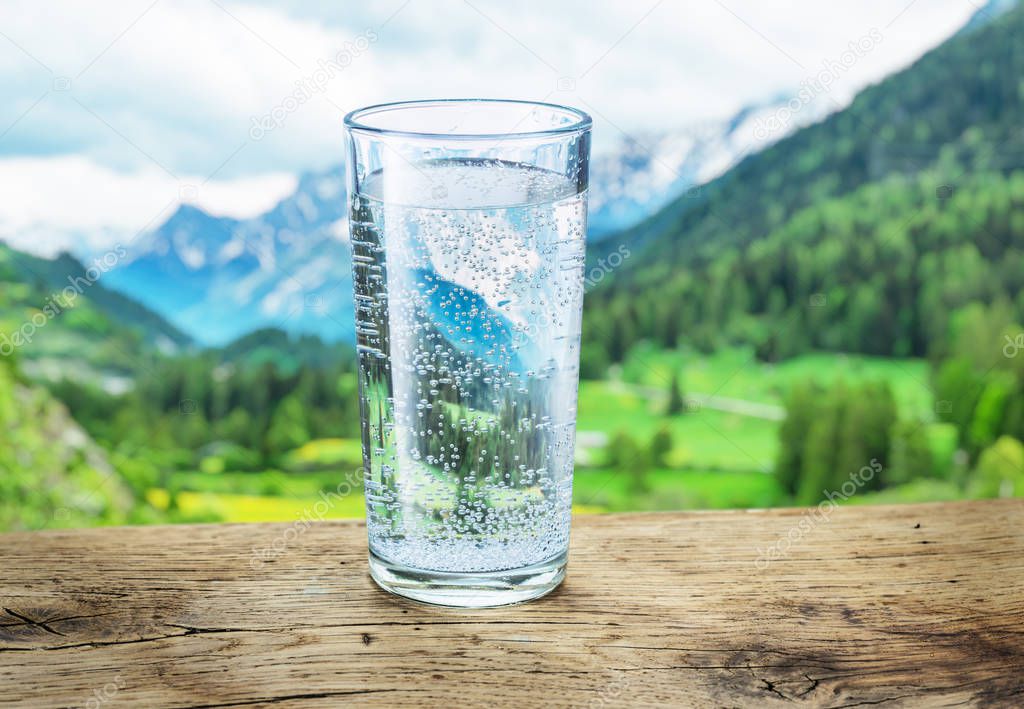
(918, 605)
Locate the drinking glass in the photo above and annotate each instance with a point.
(468, 222)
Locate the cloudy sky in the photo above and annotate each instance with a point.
(116, 111)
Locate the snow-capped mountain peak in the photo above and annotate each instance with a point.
(218, 278)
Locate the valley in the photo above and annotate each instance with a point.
(845, 297)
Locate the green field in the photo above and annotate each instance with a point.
(610, 490)
(718, 458)
(704, 439)
(737, 374)
(710, 439)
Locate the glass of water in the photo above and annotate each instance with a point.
(468, 223)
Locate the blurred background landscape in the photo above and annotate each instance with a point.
(805, 250)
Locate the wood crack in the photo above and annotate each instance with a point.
(50, 621)
(189, 630)
(813, 686)
(297, 697)
(769, 686)
(36, 623)
(193, 630)
(869, 702)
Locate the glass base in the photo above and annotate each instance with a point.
(469, 590)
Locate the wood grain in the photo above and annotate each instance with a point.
(919, 605)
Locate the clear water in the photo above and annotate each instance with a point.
(469, 285)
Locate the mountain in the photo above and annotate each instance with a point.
(864, 231)
(648, 170)
(219, 278)
(992, 10)
(285, 351)
(89, 281)
(290, 268)
(58, 318)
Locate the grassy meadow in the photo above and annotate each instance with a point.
(723, 445)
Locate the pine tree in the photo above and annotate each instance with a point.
(821, 446)
(989, 412)
(624, 455)
(802, 405)
(911, 456)
(676, 402)
(661, 446)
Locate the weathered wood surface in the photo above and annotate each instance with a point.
(917, 605)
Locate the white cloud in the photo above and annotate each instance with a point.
(174, 96)
(71, 203)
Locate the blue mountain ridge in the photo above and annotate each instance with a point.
(218, 278)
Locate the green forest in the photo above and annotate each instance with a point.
(841, 314)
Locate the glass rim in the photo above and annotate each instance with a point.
(353, 120)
